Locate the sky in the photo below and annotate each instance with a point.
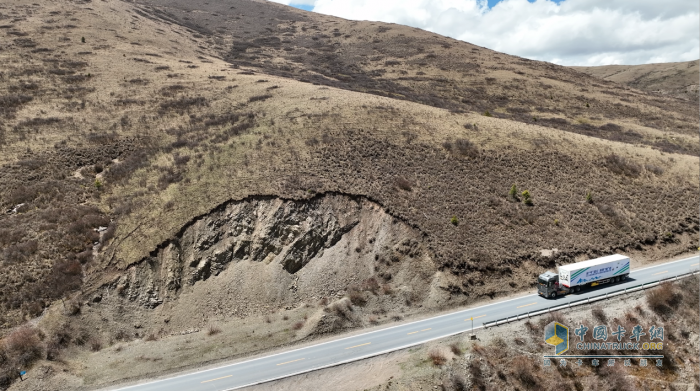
(566, 32)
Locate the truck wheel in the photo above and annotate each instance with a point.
(624, 277)
(577, 289)
(617, 279)
(553, 295)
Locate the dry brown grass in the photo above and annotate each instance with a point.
(664, 299)
(437, 357)
(599, 314)
(170, 146)
(456, 349)
(213, 330)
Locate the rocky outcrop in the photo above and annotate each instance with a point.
(271, 252)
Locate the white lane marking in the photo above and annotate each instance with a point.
(376, 331)
(352, 359)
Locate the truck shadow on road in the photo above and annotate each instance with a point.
(629, 283)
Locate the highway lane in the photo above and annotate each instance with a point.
(393, 338)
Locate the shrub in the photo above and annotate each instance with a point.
(599, 314)
(72, 307)
(343, 308)
(487, 114)
(183, 103)
(557, 316)
(589, 197)
(169, 177)
(404, 184)
(122, 335)
(454, 221)
(622, 166)
(656, 170)
(477, 376)
(371, 285)
(437, 357)
(456, 349)
(663, 299)
(513, 192)
(213, 330)
(527, 198)
(23, 346)
(181, 160)
(459, 383)
(524, 370)
(466, 147)
(298, 325)
(356, 297)
(95, 345)
(109, 233)
(259, 98)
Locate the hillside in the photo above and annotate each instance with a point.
(251, 166)
(679, 79)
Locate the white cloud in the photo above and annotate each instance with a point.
(575, 32)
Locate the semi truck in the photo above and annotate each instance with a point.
(580, 275)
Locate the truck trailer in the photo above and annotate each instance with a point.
(580, 275)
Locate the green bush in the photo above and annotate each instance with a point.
(527, 198)
(487, 114)
(98, 184)
(82, 39)
(454, 220)
(513, 192)
(589, 198)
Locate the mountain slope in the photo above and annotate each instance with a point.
(678, 79)
(120, 153)
(410, 64)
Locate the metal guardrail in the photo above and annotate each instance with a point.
(588, 300)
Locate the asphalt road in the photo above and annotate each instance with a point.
(361, 346)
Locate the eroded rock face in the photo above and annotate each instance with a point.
(274, 252)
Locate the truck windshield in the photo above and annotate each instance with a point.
(542, 281)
